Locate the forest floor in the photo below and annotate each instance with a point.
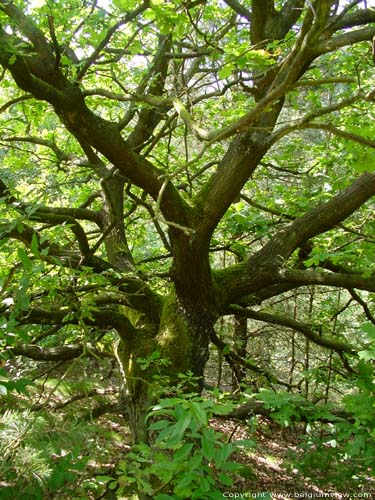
(270, 466)
(276, 467)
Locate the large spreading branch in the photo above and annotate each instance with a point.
(267, 266)
(346, 19)
(250, 146)
(305, 413)
(310, 332)
(252, 130)
(38, 213)
(65, 352)
(322, 278)
(53, 253)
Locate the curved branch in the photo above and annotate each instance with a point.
(107, 317)
(304, 328)
(264, 268)
(16, 100)
(66, 213)
(39, 213)
(28, 28)
(51, 252)
(52, 216)
(349, 38)
(321, 278)
(321, 219)
(59, 353)
(342, 133)
(60, 155)
(239, 9)
(363, 304)
(324, 81)
(78, 231)
(25, 79)
(358, 18)
(305, 122)
(308, 414)
(268, 210)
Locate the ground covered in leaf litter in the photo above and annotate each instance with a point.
(271, 470)
(269, 465)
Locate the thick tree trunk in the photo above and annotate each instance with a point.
(182, 338)
(138, 382)
(240, 348)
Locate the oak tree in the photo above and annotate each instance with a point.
(141, 139)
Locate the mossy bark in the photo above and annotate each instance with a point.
(181, 337)
(133, 347)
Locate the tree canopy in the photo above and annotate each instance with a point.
(167, 166)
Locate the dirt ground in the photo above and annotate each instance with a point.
(270, 468)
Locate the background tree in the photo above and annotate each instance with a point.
(140, 140)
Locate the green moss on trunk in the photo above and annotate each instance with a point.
(182, 338)
(174, 338)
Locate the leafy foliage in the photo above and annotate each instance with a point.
(187, 459)
(180, 180)
(34, 458)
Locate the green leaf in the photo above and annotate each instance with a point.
(199, 413)
(225, 479)
(165, 403)
(25, 259)
(195, 461)
(226, 350)
(231, 467)
(204, 484)
(185, 481)
(183, 452)
(207, 444)
(226, 71)
(104, 479)
(160, 424)
(369, 328)
(222, 453)
(245, 443)
(35, 245)
(170, 436)
(12, 59)
(181, 425)
(367, 355)
(125, 5)
(3, 390)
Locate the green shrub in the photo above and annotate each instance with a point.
(187, 458)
